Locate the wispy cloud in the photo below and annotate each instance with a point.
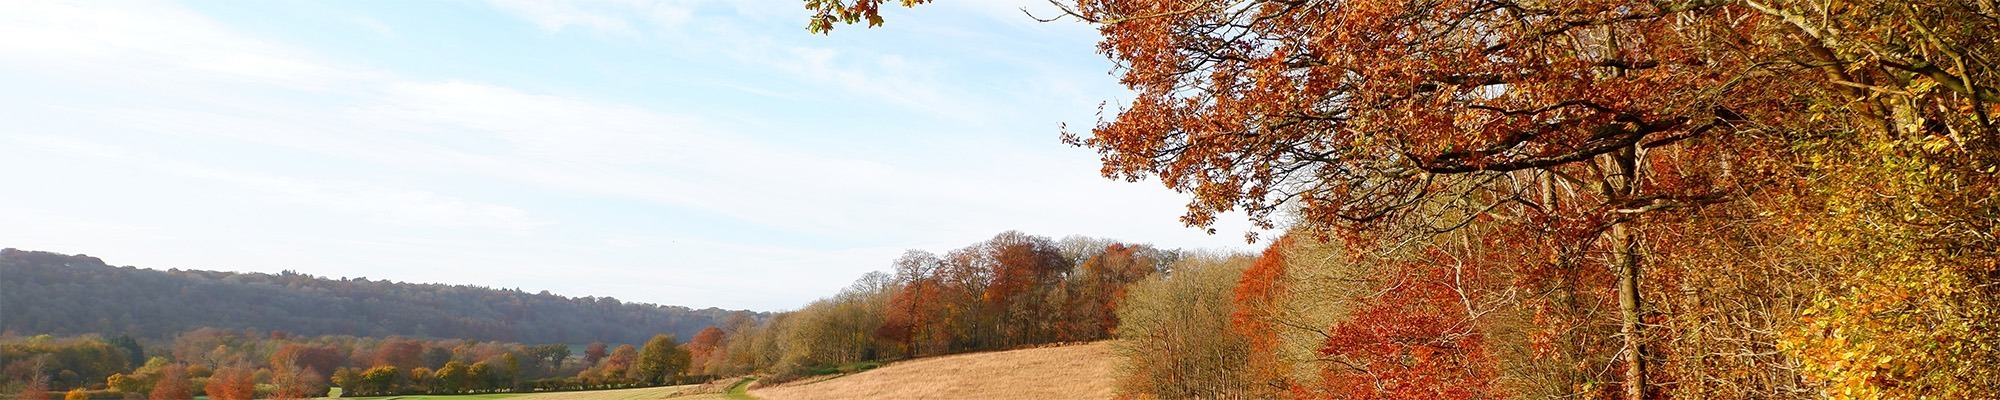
(772, 40)
(144, 40)
(377, 203)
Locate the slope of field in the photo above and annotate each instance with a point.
(1067, 372)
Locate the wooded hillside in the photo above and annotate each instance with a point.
(48, 293)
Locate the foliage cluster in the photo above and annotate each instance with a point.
(1175, 335)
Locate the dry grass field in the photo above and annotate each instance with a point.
(720, 390)
(1066, 372)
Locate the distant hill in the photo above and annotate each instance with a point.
(1082, 371)
(59, 294)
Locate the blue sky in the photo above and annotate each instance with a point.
(689, 152)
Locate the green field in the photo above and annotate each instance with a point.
(739, 391)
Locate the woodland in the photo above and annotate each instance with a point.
(1573, 199)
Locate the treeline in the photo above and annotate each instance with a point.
(73, 295)
(1009, 291)
(245, 364)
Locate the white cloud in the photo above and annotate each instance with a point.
(891, 77)
(147, 40)
(539, 126)
(573, 144)
(900, 79)
(377, 203)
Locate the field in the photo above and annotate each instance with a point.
(717, 391)
(664, 392)
(1066, 372)
(438, 397)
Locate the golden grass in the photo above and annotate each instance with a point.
(1066, 372)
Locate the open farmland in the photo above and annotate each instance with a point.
(1065, 372)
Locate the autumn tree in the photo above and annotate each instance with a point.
(705, 349)
(760, 348)
(738, 334)
(479, 376)
(380, 380)
(1575, 122)
(594, 352)
(139, 381)
(316, 358)
(297, 383)
(1904, 204)
(231, 383)
(1419, 338)
(399, 353)
(347, 379)
(964, 276)
(619, 365)
(845, 327)
(424, 380)
(453, 377)
(661, 360)
(915, 317)
(1025, 270)
(172, 384)
(1176, 336)
(1286, 302)
(1099, 284)
(1904, 226)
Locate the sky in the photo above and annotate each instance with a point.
(704, 153)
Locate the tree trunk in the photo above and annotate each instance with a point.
(1625, 257)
